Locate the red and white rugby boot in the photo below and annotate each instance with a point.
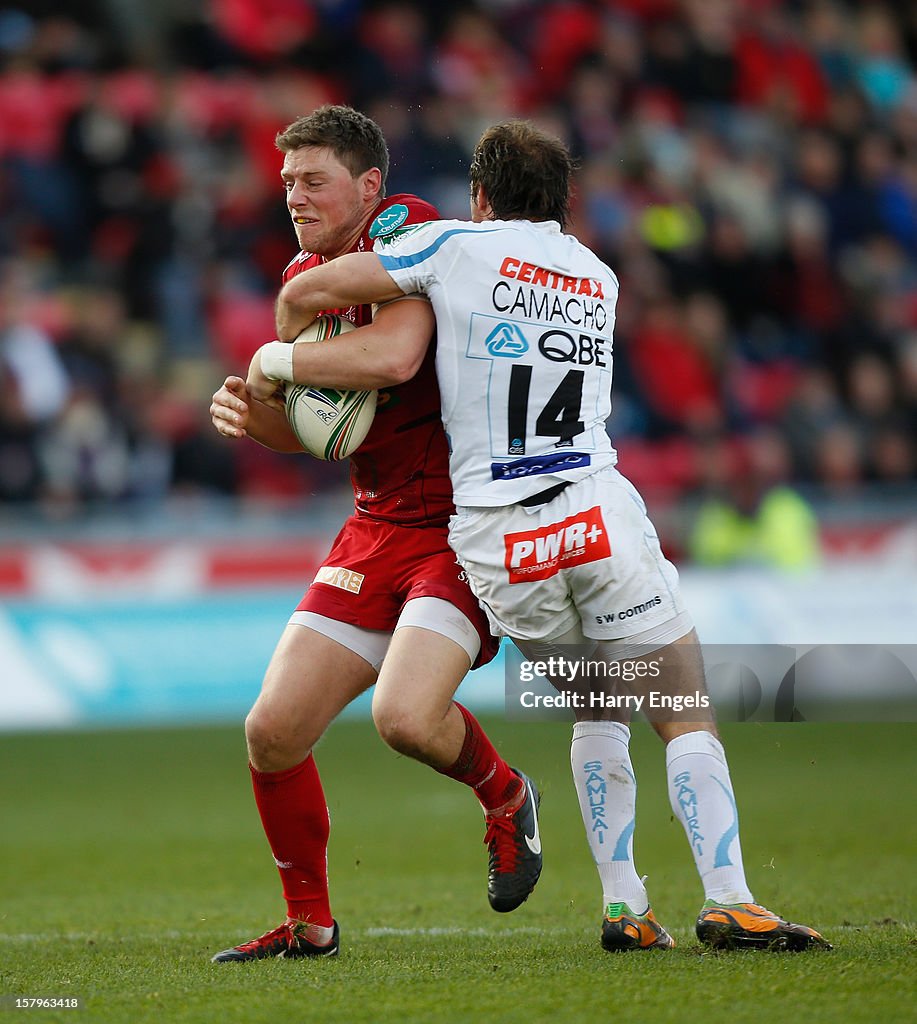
(515, 857)
(287, 941)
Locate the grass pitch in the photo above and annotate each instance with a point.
(129, 858)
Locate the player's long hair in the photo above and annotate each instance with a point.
(355, 139)
(524, 171)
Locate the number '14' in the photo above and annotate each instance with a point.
(559, 418)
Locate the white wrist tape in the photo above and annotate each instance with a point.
(277, 360)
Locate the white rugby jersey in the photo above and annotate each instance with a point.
(524, 317)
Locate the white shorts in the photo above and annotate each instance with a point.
(589, 558)
(372, 644)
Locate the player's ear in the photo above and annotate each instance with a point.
(480, 205)
(371, 181)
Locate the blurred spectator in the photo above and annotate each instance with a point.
(881, 70)
(391, 56)
(892, 455)
(741, 187)
(839, 460)
(710, 67)
(814, 410)
(749, 515)
(820, 177)
(897, 197)
(829, 30)
(263, 30)
(677, 371)
(592, 101)
(805, 284)
(559, 36)
(734, 271)
(35, 388)
(84, 456)
(776, 73)
(104, 151)
(877, 415)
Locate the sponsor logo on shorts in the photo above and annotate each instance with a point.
(536, 464)
(343, 579)
(540, 554)
(629, 613)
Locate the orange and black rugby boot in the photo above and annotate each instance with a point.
(748, 926)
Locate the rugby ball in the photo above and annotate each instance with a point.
(329, 423)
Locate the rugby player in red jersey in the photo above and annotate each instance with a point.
(407, 620)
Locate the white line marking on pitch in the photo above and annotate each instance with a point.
(172, 934)
(407, 932)
(95, 936)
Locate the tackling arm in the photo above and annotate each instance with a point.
(356, 279)
(386, 352)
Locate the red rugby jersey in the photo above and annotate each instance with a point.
(400, 474)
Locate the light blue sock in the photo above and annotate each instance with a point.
(700, 792)
(607, 791)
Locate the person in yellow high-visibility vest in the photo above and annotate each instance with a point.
(756, 518)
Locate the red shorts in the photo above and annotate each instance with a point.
(375, 568)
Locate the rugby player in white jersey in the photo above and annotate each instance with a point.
(556, 542)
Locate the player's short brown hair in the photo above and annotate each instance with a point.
(524, 171)
(355, 139)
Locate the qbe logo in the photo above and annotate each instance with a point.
(506, 340)
(540, 554)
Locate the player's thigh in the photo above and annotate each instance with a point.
(673, 680)
(432, 649)
(311, 678)
(572, 666)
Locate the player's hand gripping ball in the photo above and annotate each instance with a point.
(329, 423)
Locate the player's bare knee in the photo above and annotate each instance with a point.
(258, 738)
(400, 730)
(271, 745)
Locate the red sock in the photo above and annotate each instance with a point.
(295, 819)
(481, 767)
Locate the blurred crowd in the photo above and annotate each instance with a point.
(747, 167)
